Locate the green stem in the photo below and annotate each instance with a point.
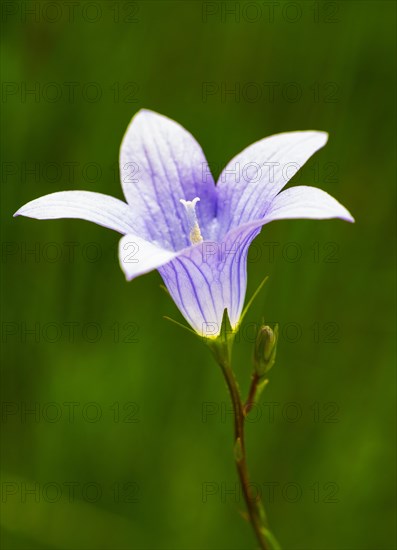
(255, 508)
(252, 394)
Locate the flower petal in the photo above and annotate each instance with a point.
(161, 163)
(138, 256)
(297, 202)
(207, 278)
(85, 205)
(254, 177)
(212, 276)
(306, 202)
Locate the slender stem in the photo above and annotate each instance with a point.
(252, 393)
(254, 505)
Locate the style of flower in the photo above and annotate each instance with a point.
(176, 220)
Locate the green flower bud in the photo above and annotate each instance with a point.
(265, 349)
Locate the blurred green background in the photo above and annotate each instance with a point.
(129, 445)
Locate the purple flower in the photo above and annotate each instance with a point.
(177, 221)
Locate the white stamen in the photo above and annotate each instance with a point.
(194, 228)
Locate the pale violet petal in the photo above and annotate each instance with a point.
(301, 202)
(207, 278)
(138, 256)
(255, 176)
(212, 276)
(85, 205)
(161, 163)
(306, 202)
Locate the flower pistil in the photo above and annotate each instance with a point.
(194, 228)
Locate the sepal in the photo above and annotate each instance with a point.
(222, 345)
